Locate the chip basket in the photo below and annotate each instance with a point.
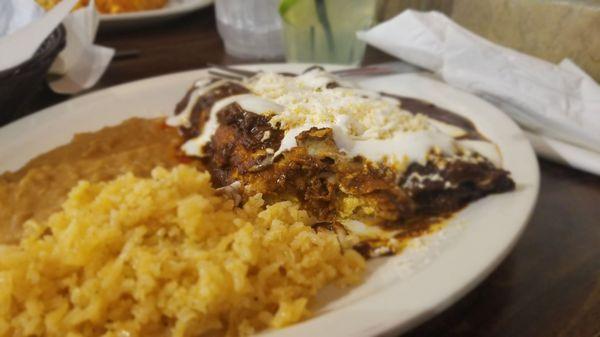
(18, 85)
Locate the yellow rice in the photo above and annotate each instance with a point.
(166, 256)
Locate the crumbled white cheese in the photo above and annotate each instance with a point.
(417, 180)
(359, 113)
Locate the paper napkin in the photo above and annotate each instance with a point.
(80, 64)
(13, 17)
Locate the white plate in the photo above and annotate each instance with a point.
(173, 9)
(399, 292)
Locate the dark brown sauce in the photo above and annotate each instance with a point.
(201, 108)
(432, 111)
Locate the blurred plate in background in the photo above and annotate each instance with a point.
(173, 9)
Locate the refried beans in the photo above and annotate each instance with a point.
(39, 188)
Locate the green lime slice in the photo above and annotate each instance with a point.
(299, 13)
(285, 5)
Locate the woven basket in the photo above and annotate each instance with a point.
(20, 84)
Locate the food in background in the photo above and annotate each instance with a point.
(113, 6)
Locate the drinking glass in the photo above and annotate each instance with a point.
(324, 31)
(250, 28)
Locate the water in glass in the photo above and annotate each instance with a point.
(250, 28)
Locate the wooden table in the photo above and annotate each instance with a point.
(548, 286)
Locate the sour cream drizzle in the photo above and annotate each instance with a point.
(401, 146)
(248, 102)
(200, 88)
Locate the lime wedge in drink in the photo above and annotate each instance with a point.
(285, 5)
(299, 12)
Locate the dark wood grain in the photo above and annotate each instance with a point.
(548, 286)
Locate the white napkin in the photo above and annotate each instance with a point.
(27, 29)
(557, 101)
(13, 18)
(81, 63)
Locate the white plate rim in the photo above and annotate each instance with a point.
(169, 11)
(371, 316)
